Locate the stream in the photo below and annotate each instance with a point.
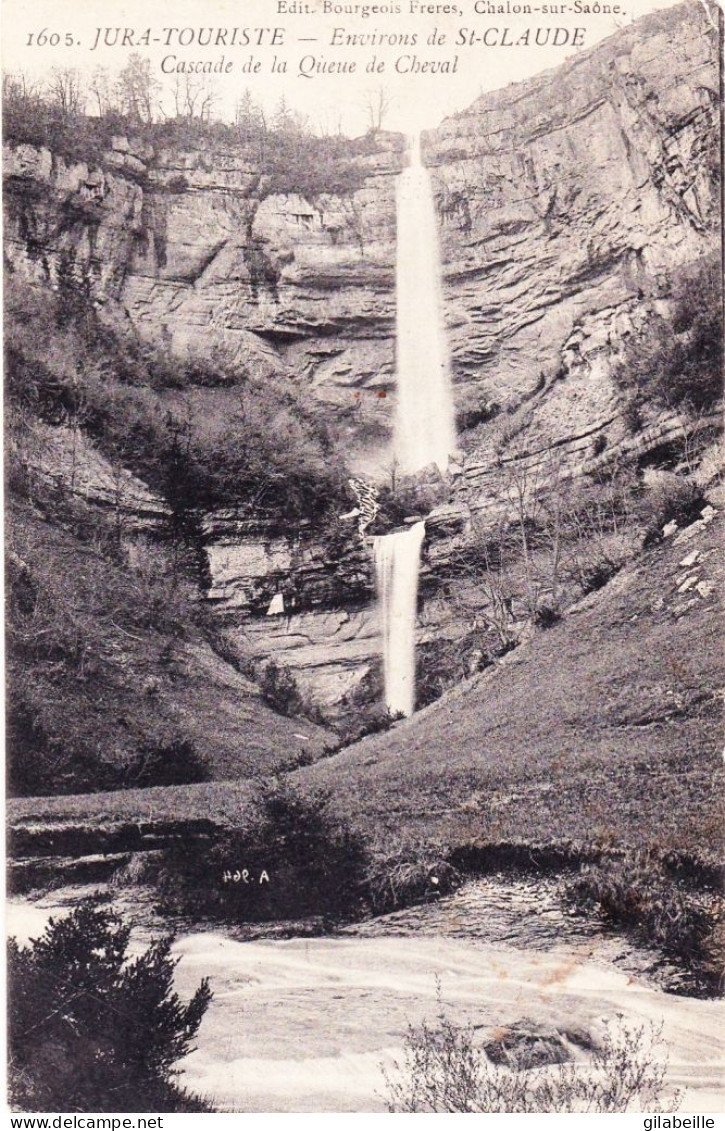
(306, 1024)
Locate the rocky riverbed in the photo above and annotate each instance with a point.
(308, 1024)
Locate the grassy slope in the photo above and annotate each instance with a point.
(604, 728)
(104, 704)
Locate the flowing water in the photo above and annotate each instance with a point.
(397, 562)
(425, 428)
(308, 1024)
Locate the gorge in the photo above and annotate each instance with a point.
(249, 296)
(255, 375)
(555, 249)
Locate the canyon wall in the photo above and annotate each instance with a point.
(565, 200)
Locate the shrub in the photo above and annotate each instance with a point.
(177, 185)
(444, 1070)
(281, 692)
(677, 360)
(408, 875)
(167, 763)
(638, 894)
(279, 689)
(668, 498)
(372, 718)
(546, 616)
(91, 1029)
(298, 857)
(365, 711)
(275, 452)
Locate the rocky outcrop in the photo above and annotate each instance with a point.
(207, 263)
(564, 201)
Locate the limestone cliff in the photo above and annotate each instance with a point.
(205, 261)
(565, 200)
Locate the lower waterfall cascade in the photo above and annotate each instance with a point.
(397, 564)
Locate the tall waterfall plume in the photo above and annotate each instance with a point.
(425, 425)
(397, 562)
(425, 428)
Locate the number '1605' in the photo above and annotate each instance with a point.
(44, 38)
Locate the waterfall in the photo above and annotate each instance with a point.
(397, 559)
(425, 429)
(425, 423)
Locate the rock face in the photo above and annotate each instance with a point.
(278, 285)
(206, 265)
(563, 201)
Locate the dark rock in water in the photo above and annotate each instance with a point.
(526, 1044)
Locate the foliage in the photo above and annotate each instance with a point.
(444, 1070)
(272, 451)
(174, 763)
(370, 718)
(668, 498)
(676, 359)
(280, 690)
(407, 497)
(637, 893)
(364, 708)
(443, 662)
(32, 118)
(300, 859)
(77, 611)
(287, 155)
(91, 1029)
(403, 875)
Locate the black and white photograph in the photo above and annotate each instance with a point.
(363, 520)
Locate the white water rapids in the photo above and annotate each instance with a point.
(425, 423)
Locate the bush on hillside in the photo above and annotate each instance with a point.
(85, 631)
(177, 762)
(279, 689)
(677, 360)
(637, 893)
(405, 875)
(669, 498)
(296, 858)
(281, 692)
(92, 1029)
(363, 709)
(273, 452)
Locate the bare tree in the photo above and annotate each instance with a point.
(17, 86)
(104, 90)
(66, 91)
(287, 120)
(194, 97)
(377, 104)
(138, 89)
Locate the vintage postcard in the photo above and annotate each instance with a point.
(363, 515)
